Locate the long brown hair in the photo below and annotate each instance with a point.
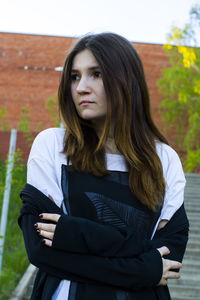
(135, 133)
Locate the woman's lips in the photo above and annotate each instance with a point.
(85, 103)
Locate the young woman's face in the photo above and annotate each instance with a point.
(87, 88)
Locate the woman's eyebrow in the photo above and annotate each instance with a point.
(90, 68)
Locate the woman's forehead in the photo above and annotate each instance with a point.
(84, 59)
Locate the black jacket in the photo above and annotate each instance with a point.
(119, 260)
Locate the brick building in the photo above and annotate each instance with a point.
(30, 73)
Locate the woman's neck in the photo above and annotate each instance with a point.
(110, 146)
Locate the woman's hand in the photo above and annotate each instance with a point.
(168, 265)
(47, 230)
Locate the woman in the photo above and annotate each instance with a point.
(103, 214)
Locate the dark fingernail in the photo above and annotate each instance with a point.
(41, 216)
(35, 225)
(43, 241)
(38, 230)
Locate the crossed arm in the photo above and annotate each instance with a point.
(130, 272)
(61, 236)
(131, 263)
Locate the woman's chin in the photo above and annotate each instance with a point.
(89, 116)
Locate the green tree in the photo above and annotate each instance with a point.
(180, 86)
(24, 126)
(52, 107)
(4, 120)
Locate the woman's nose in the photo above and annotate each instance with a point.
(83, 86)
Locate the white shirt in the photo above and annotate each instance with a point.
(44, 173)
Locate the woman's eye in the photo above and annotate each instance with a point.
(97, 74)
(74, 77)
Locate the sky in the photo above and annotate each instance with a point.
(146, 21)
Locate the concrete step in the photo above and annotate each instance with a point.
(194, 236)
(193, 192)
(193, 245)
(193, 279)
(195, 186)
(191, 199)
(185, 282)
(189, 262)
(185, 298)
(193, 252)
(193, 176)
(193, 189)
(194, 242)
(193, 215)
(184, 291)
(188, 286)
(194, 226)
(192, 208)
(194, 221)
(194, 229)
(190, 267)
(189, 271)
(191, 183)
(192, 202)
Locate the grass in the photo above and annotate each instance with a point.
(15, 260)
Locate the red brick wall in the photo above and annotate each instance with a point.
(30, 88)
(21, 144)
(42, 54)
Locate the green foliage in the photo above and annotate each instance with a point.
(4, 120)
(193, 160)
(14, 259)
(180, 86)
(24, 121)
(24, 126)
(52, 107)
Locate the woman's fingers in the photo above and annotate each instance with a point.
(169, 275)
(171, 264)
(46, 234)
(163, 251)
(172, 275)
(47, 242)
(45, 230)
(50, 217)
(168, 266)
(45, 227)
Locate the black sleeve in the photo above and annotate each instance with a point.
(103, 240)
(144, 270)
(174, 235)
(80, 235)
